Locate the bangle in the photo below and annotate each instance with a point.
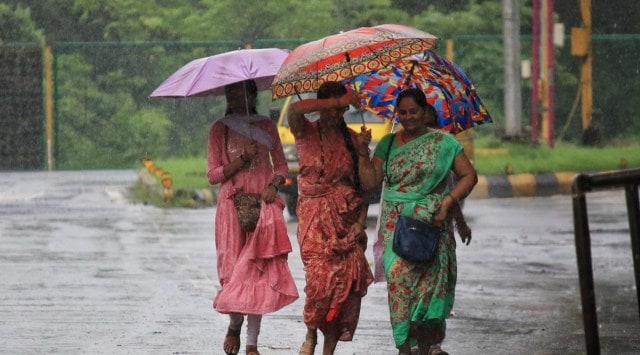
(278, 180)
(362, 224)
(453, 198)
(274, 186)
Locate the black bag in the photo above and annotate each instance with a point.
(416, 241)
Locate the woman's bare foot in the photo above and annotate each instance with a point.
(436, 350)
(330, 342)
(231, 344)
(405, 349)
(252, 350)
(310, 341)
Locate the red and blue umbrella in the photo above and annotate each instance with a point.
(446, 86)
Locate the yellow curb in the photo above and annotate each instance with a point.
(565, 180)
(522, 184)
(481, 190)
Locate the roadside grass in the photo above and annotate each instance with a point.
(518, 158)
(492, 157)
(187, 175)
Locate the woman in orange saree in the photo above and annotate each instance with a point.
(331, 218)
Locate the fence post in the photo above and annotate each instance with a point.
(633, 211)
(585, 272)
(48, 104)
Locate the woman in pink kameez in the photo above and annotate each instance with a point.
(245, 154)
(331, 218)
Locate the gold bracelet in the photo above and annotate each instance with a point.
(453, 198)
(363, 225)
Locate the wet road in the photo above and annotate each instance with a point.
(86, 271)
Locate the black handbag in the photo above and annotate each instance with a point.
(415, 241)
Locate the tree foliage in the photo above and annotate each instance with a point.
(17, 25)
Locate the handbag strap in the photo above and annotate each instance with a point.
(386, 159)
(225, 136)
(386, 162)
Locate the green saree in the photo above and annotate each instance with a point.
(419, 295)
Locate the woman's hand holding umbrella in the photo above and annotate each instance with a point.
(249, 152)
(364, 139)
(350, 98)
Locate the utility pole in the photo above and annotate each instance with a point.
(512, 92)
(581, 48)
(535, 71)
(548, 73)
(543, 71)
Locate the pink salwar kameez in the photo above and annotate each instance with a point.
(252, 267)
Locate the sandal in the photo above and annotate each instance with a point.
(308, 347)
(436, 350)
(252, 350)
(231, 344)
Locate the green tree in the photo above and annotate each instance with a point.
(60, 20)
(17, 25)
(101, 128)
(364, 13)
(413, 7)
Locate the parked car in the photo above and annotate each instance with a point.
(379, 127)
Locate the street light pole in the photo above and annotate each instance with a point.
(512, 92)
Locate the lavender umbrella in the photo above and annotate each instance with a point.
(209, 75)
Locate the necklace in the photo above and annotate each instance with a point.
(403, 138)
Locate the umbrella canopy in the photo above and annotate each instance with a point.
(209, 75)
(344, 55)
(446, 86)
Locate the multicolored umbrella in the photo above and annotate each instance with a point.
(447, 87)
(345, 55)
(209, 75)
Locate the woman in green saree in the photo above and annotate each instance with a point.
(415, 163)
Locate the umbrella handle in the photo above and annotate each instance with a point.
(362, 118)
(408, 78)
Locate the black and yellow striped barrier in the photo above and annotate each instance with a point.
(523, 185)
(165, 177)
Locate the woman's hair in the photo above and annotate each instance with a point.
(419, 97)
(251, 91)
(331, 89)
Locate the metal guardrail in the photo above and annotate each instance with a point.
(629, 180)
